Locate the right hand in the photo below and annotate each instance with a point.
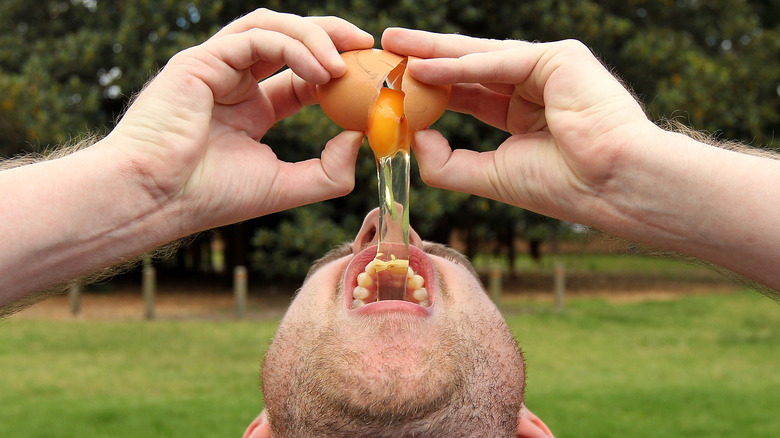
(194, 134)
(570, 120)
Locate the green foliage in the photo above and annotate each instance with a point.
(301, 236)
(70, 67)
(67, 67)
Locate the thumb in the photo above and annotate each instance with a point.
(338, 160)
(314, 180)
(461, 170)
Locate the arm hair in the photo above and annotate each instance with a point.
(702, 137)
(66, 149)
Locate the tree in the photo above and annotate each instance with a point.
(70, 66)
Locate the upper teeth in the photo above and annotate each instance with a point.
(360, 293)
(366, 281)
(415, 281)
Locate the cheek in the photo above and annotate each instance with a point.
(318, 299)
(312, 310)
(472, 308)
(465, 292)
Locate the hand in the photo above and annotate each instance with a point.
(193, 134)
(569, 119)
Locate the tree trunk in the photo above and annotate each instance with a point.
(535, 250)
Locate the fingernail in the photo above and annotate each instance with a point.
(354, 136)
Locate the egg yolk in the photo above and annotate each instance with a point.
(388, 130)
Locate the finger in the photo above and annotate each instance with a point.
(322, 36)
(243, 50)
(221, 63)
(339, 157)
(510, 66)
(519, 172)
(286, 93)
(330, 176)
(493, 108)
(529, 66)
(279, 97)
(562, 74)
(476, 100)
(425, 44)
(459, 58)
(345, 35)
(313, 37)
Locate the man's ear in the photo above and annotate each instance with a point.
(531, 426)
(260, 428)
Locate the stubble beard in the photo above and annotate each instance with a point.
(394, 380)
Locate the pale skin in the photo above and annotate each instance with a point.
(186, 156)
(388, 367)
(581, 149)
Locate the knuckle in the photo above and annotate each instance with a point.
(260, 12)
(574, 47)
(429, 176)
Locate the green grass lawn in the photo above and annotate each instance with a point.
(596, 263)
(130, 379)
(697, 366)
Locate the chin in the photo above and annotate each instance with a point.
(380, 378)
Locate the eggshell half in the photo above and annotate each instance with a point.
(423, 103)
(347, 100)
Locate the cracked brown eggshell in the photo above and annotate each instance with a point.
(347, 100)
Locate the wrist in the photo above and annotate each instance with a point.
(623, 178)
(142, 206)
(651, 192)
(73, 216)
(673, 192)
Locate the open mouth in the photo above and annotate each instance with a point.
(370, 283)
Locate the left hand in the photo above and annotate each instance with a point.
(193, 135)
(570, 122)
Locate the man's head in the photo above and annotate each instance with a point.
(392, 368)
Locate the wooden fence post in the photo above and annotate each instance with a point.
(496, 286)
(74, 291)
(149, 287)
(559, 284)
(240, 286)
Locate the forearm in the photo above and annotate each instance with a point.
(72, 216)
(676, 193)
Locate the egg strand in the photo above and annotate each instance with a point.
(377, 95)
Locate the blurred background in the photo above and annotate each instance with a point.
(69, 67)
(644, 346)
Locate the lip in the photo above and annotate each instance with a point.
(419, 261)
